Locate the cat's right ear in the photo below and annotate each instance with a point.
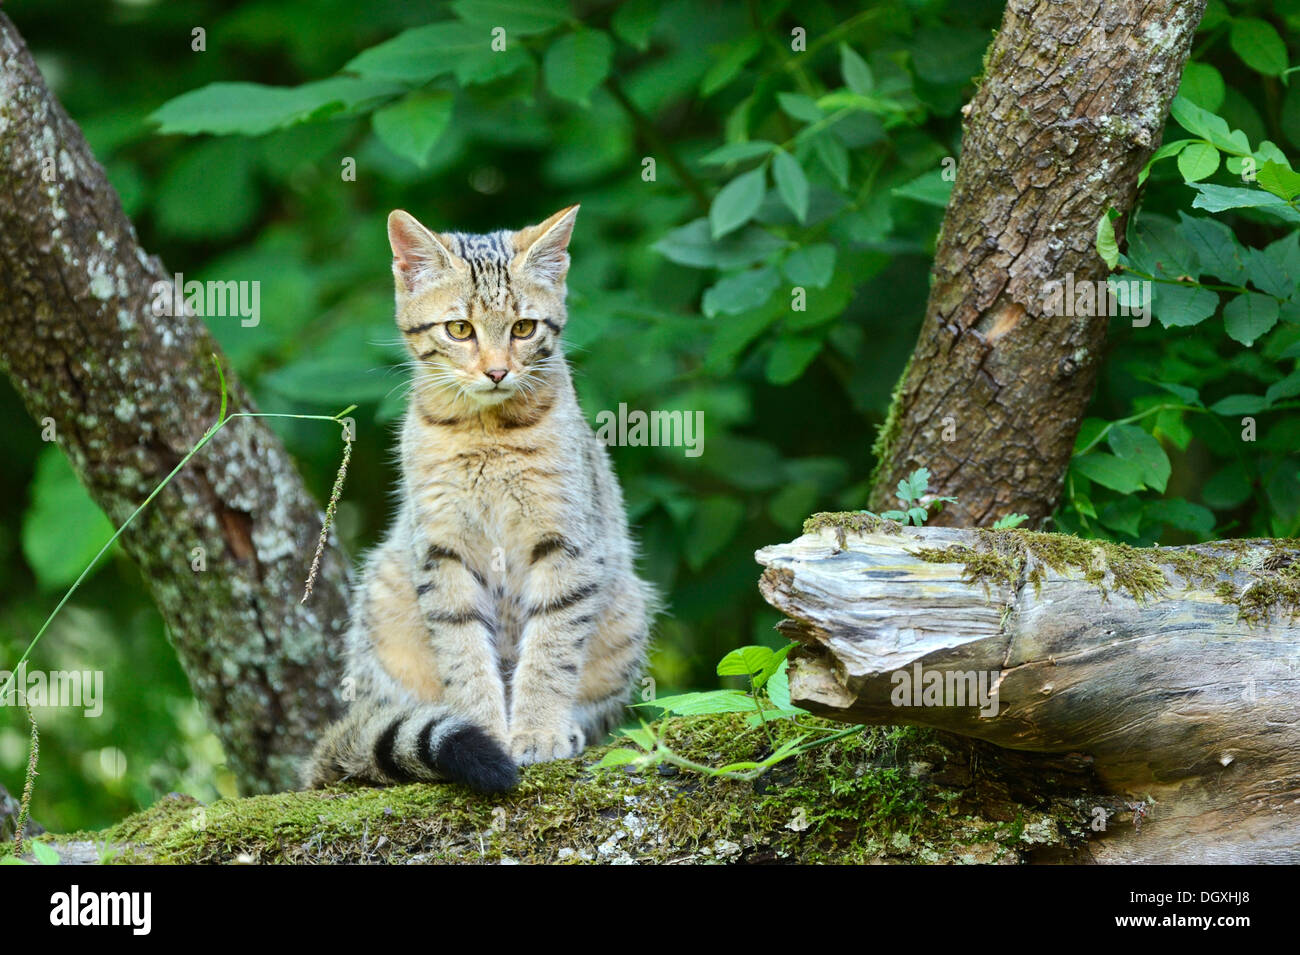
(418, 254)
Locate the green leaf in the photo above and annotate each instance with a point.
(1203, 85)
(1187, 395)
(1198, 161)
(740, 292)
(518, 17)
(728, 65)
(1008, 521)
(1234, 405)
(634, 22)
(63, 529)
(1249, 316)
(913, 487)
(791, 183)
(810, 266)
(1089, 431)
(1217, 249)
(1228, 489)
(1181, 514)
(800, 107)
(577, 63)
(790, 356)
(44, 854)
(773, 663)
(1137, 446)
(1278, 179)
(744, 661)
(210, 192)
(1158, 247)
(737, 201)
(693, 245)
(1271, 272)
(778, 687)
(1288, 387)
(421, 54)
(1110, 471)
(253, 109)
(1182, 306)
(738, 152)
(1107, 247)
(322, 381)
(703, 702)
(716, 520)
(930, 188)
(1215, 198)
(412, 126)
(1123, 515)
(617, 757)
(1206, 125)
(1258, 45)
(1164, 152)
(856, 73)
(834, 156)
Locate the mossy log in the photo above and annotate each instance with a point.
(892, 796)
(1175, 669)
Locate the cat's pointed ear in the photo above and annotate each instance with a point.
(418, 254)
(542, 250)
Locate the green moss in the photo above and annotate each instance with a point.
(1272, 593)
(883, 447)
(857, 521)
(988, 567)
(872, 796)
(1132, 570)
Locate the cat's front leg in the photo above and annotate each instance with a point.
(462, 629)
(565, 600)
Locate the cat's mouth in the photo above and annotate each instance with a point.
(492, 394)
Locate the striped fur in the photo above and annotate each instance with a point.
(500, 621)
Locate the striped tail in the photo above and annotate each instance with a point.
(398, 743)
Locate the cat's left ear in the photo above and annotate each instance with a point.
(542, 250)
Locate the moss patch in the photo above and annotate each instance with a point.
(882, 795)
(1260, 578)
(859, 522)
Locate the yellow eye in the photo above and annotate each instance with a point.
(460, 331)
(524, 328)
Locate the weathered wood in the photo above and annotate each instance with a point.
(1176, 669)
(129, 393)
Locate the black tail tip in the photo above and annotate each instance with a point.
(470, 756)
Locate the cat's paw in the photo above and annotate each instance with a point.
(540, 745)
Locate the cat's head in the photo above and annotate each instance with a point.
(482, 314)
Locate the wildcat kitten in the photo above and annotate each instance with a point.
(500, 622)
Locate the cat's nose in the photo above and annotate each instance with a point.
(496, 374)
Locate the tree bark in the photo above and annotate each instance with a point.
(1173, 669)
(1072, 106)
(129, 395)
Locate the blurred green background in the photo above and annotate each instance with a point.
(679, 289)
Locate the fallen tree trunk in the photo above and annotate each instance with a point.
(1177, 670)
